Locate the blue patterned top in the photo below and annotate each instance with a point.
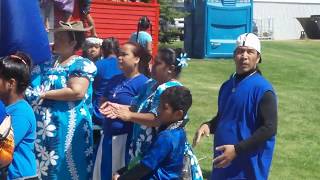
(64, 128)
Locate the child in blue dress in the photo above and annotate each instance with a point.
(164, 159)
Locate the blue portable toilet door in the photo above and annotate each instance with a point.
(224, 25)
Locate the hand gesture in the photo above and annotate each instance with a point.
(122, 113)
(229, 153)
(115, 176)
(108, 109)
(204, 130)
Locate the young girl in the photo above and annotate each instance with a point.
(14, 79)
(142, 36)
(144, 109)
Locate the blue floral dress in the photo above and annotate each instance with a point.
(148, 102)
(64, 128)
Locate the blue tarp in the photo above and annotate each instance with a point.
(22, 29)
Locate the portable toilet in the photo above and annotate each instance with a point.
(212, 26)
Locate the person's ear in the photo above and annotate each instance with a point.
(259, 57)
(137, 60)
(73, 44)
(171, 69)
(11, 83)
(178, 115)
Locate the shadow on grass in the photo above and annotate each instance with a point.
(206, 174)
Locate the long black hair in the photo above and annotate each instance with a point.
(143, 24)
(16, 66)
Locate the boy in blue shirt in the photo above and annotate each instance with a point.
(164, 160)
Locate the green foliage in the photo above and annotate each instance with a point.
(293, 69)
(167, 14)
(169, 35)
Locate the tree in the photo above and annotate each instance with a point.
(167, 15)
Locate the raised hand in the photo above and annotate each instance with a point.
(204, 130)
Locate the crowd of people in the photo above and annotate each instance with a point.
(108, 115)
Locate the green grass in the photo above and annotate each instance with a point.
(293, 69)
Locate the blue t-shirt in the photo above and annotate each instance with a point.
(106, 69)
(122, 90)
(24, 129)
(143, 38)
(165, 155)
(3, 113)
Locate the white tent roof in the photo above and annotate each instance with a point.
(291, 1)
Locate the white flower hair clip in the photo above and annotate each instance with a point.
(183, 60)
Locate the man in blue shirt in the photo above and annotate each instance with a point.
(245, 126)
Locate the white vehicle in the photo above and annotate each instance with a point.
(178, 23)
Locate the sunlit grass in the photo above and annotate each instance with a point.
(293, 69)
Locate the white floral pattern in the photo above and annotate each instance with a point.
(60, 124)
(52, 158)
(42, 168)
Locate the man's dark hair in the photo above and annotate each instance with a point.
(178, 97)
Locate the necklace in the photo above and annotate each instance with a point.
(234, 81)
(122, 85)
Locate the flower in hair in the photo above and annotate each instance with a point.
(183, 60)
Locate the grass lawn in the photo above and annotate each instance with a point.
(293, 69)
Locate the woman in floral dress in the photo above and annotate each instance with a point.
(144, 109)
(61, 99)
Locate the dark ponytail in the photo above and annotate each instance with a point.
(16, 66)
(143, 24)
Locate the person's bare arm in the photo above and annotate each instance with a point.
(75, 90)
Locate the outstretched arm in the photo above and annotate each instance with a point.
(204, 130)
